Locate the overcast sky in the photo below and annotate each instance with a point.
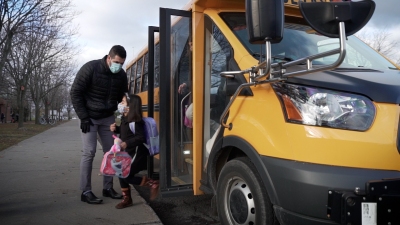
(104, 23)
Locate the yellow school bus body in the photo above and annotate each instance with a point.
(259, 121)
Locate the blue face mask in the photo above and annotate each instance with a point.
(115, 67)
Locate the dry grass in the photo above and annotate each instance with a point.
(11, 135)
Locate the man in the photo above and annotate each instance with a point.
(98, 87)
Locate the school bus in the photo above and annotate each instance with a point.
(295, 120)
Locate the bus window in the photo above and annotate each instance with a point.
(132, 79)
(157, 66)
(138, 75)
(128, 72)
(145, 83)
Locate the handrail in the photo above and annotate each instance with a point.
(222, 118)
(181, 113)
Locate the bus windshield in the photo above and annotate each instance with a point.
(300, 41)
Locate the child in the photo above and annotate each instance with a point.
(131, 143)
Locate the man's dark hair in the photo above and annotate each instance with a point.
(135, 108)
(117, 50)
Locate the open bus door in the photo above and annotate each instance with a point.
(175, 68)
(153, 74)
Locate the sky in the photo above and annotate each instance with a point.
(104, 23)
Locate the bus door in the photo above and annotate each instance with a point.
(176, 154)
(153, 82)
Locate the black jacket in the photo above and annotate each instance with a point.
(96, 91)
(132, 140)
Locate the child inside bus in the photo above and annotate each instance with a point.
(132, 142)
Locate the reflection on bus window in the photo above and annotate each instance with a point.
(138, 75)
(132, 79)
(157, 66)
(300, 41)
(145, 81)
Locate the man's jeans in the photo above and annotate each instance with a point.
(100, 128)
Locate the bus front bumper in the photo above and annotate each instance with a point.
(379, 204)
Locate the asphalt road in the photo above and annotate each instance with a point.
(184, 210)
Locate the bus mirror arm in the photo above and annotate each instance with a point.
(266, 64)
(308, 60)
(232, 74)
(279, 69)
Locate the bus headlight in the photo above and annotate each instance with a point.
(326, 108)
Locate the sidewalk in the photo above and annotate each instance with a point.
(39, 184)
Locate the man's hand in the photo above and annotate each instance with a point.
(123, 145)
(113, 127)
(85, 125)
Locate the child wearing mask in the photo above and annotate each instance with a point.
(132, 142)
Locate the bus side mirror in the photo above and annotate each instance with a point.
(324, 17)
(264, 20)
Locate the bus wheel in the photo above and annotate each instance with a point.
(241, 196)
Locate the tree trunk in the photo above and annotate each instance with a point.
(20, 102)
(5, 52)
(37, 112)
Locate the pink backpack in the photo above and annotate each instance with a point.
(115, 162)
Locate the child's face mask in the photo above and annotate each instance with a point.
(121, 108)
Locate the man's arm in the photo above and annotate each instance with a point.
(79, 88)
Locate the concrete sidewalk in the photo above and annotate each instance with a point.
(39, 184)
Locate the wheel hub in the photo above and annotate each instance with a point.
(241, 203)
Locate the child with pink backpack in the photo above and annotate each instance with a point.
(132, 142)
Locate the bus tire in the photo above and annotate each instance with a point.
(241, 196)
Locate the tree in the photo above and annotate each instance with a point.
(14, 15)
(40, 56)
(381, 41)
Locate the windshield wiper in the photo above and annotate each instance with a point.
(281, 57)
(356, 69)
(393, 68)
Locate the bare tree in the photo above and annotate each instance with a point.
(40, 57)
(14, 15)
(381, 41)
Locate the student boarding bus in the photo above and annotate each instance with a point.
(294, 120)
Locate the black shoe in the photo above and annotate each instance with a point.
(111, 193)
(90, 198)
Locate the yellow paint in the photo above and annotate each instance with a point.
(198, 82)
(259, 119)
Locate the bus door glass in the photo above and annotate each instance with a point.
(175, 98)
(219, 58)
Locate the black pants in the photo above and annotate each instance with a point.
(139, 163)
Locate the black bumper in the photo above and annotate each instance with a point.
(301, 192)
(379, 204)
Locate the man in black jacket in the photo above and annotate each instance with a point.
(98, 87)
